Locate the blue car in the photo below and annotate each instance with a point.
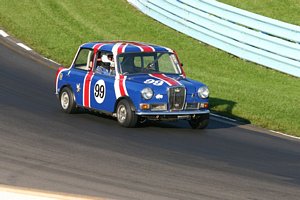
(133, 82)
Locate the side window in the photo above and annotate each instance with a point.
(138, 61)
(105, 63)
(84, 59)
(148, 60)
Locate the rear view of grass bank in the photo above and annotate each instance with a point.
(238, 88)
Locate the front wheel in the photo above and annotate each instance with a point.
(67, 102)
(199, 122)
(125, 116)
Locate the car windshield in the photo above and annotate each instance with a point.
(154, 62)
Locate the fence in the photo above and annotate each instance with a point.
(262, 40)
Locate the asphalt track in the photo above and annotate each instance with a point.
(87, 154)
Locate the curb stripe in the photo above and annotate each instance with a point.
(51, 61)
(24, 46)
(3, 33)
(286, 135)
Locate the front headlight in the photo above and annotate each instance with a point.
(147, 93)
(203, 92)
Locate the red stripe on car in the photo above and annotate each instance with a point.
(96, 47)
(145, 48)
(121, 85)
(170, 81)
(87, 89)
(121, 49)
(121, 78)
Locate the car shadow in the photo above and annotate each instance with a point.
(221, 110)
(226, 107)
(217, 117)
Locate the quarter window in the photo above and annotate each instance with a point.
(84, 59)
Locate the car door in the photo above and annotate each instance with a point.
(102, 93)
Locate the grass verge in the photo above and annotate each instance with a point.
(239, 88)
(283, 10)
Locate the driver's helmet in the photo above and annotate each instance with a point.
(108, 59)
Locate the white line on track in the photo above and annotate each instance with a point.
(233, 120)
(3, 33)
(24, 46)
(291, 136)
(51, 60)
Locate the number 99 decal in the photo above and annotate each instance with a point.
(99, 91)
(154, 82)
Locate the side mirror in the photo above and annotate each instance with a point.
(181, 64)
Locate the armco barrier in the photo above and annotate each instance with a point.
(262, 40)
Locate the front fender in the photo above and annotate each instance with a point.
(132, 107)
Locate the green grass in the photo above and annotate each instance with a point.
(284, 10)
(238, 88)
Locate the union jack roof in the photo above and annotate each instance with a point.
(119, 47)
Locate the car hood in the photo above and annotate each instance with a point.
(163, 81)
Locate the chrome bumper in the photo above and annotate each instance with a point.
(175, 113)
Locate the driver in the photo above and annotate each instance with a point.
(105, 64)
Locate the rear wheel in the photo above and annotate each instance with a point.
(67, 102)
(199, 122)
(125, 116)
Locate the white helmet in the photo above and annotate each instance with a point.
(105, 59)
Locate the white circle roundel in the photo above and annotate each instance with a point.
(99, 91)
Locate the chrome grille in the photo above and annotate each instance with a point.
(176, 98)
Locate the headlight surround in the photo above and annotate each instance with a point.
(147, 93)
(203, 92)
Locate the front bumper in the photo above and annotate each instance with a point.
(178, 115)
(175, 113)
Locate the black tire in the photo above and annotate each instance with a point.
(67, 102)
(125, 116)
(200, 122)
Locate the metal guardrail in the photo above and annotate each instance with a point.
(256, 38)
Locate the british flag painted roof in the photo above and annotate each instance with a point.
(119, 47)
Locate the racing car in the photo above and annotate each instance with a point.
(134, 82)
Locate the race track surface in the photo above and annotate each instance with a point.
(88, 154)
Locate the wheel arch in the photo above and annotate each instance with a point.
(132, 107)
(70, 87)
